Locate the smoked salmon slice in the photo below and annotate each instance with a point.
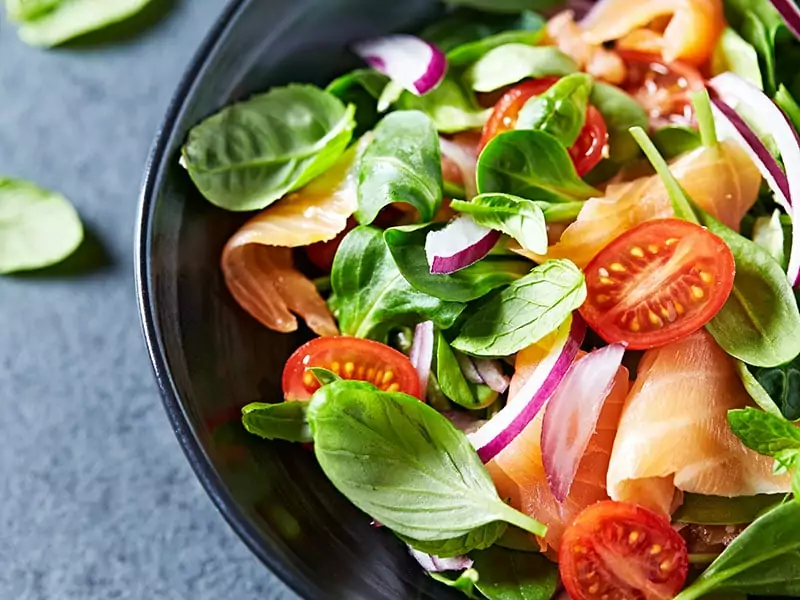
(674, 435)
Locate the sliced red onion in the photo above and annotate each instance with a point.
(790, 13)
(460, 244)
(465, 161)
(421, 355)
(464, 420)
(572, 414)
(434, 564)
(732, 90)
(469, 369)
(492, 374)
(520, 410)
(406, 59)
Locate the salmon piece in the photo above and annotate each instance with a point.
(518, 471)
(686, 30)
(674, 436)
(724, 181)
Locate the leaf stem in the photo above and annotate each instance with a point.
(705, 118)
(522, 521)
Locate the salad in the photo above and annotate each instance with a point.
(550, 260)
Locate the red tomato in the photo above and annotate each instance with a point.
(657, 283)
(350, 358)
(588, 148)
(622, 551)
(661, 88)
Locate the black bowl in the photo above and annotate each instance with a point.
(211, 358)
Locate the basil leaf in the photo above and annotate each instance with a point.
(451, 108)
(530, 164)
(253, 153)
(673, 140)
(402, 164)
(510, 575)
(27, 10)
(763, 432)
(323, 376)
(361, 88)
(561, 110)
(404, 464)
(371, 294)
(38, 228)
(716, 510)
(478, 539)
(283, 421)
(782, 385)
(516, 539)
(757, 393)
(525, 312)
(512, 63)
(520, 218)
(620, 112)
(465, 582)
(734, 54)
(763, 560)
(407, 245)
(453, 383)
(68, 19)
(506, 5)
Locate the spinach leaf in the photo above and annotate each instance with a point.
(530, 164)
(717, 510)
(371, 294)
(528, 30)
(511, 63)
(757, 393)
(465, 582)
(38, 228)
(402, 164)
(361, 88)
(506, 5)
(734, 54)
(67, 19)
(763, 560)
(520, 218)
(620, 112)
(453, 383)
(673, 140)
(407, 245)
(768, 233)
(253, 153)
(27, 10)
(450, 107)
(282, 421)
(561, 110)
(525, 312)
(511, 575)
(782, 385)
(405, 465)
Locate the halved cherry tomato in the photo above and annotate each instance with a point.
(349, 358)
(588, 148)
(622, 551)
(661, 88)
(657, 283)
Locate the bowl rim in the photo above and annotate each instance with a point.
(193, 450)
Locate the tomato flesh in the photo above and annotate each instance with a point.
(350, 358)
(620, 551)
(657, 283)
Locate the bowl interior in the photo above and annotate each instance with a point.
(211, 358)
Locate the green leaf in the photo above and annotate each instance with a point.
(781, 385)
(402, 164)
(756, 391)
(453, 383)
(38, 228)
(253, 153)
(788, 105)
(372, 296)
(560, 212)
(468, 53)
(525, 312)
(68, 19)
(407, 245)
(506, 5)
(28, 10)
(763, 560)
(465, 582)
(361, 88)
(763, 432)
(716, 510)
(561, 110)
(462, 26)
(510, 575)
(705, 118)
(512, 63)
(533, 165)
(404, 464)
(520, 218)
(516, 539)
(478, 539)
(450, 107)
(323, 376)
(620, 112)
(734, 54)
(673, 140)
(768, 233)
(283, 421)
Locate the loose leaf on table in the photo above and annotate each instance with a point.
(513, 575)
(674, 140)
(450, 107)
(716, 510)
(27, 10)
(520, 218)
(372, 296)
(561, 110)
(38, 228)
(525, 312)
(620, 112)
(405, 465)
(282, 421)
(253, 153)
(407, 245)
(533, 165)
(402, 164)
(512, 63)
(69, 19)
(361, 88)
(736, 55)
(454, 384)
(763, 560)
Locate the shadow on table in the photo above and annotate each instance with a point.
(127, 30)
(91, 257)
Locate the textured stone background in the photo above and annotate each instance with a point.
(96, 498)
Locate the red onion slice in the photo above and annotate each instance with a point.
(421, 355)
(406, 59)
(469, 369)
(434, 564)
(492, 374)
(572, 414)
(460, 244)
(465, 161)
(790, 13)
(520, 410)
